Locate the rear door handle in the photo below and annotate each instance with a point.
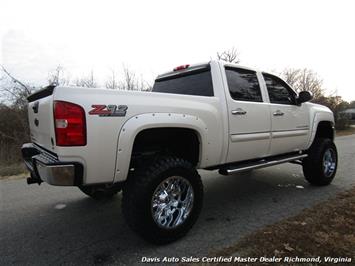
(238, 111)
(278, 113)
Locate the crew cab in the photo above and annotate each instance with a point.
(213, 116)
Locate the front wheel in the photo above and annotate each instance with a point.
(320, 166)
(163, 201)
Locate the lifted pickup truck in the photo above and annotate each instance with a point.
(214, 116)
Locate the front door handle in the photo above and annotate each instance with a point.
(238, 111)
(278, 113)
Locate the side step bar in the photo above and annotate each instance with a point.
(240, 167)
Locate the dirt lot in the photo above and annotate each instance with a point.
(327, 229)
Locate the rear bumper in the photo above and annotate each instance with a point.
(45, 167)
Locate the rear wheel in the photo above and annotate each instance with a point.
(163, 201)
(320, 166)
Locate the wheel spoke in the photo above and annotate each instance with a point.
(172, 202)
(329, 162)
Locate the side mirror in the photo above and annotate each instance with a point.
(304, 96)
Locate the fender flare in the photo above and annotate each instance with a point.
(319, 117)
(138, 123)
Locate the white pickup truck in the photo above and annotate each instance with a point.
(213, 116)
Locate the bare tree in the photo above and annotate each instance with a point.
(291, 76)
(129, 81)
(231, 56)
(58, 76)
(25, 87)
(112, 82)
(310, 81)
(88, 82)
(304, 80)
(144, 85)
(13, 116)
(14, 90)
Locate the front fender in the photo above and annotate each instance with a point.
(319, 117)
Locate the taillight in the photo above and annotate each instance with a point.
(70, 124)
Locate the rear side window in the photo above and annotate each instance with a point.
(243, 85)
(279, 91)
(195, 82)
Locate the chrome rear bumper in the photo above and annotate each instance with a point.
(44, 166)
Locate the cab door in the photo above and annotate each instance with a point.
(289, 121)
(248, 115)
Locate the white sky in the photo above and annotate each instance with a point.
(152, 37)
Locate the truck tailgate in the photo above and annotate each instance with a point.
(40, 115)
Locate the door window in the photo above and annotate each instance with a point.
(279, 91)
(243, 84)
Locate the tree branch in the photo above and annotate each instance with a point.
(15, 80)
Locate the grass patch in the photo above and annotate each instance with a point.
(327, 229)
(345, 132)
(11, 171)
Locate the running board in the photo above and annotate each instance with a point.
(240, 167)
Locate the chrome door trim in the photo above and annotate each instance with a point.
(250, 136)
(289, 133)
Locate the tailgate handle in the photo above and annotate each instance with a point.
(35, 107)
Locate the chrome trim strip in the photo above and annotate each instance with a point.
(289, 133)
(266, 164)
(250, 136)
(295, 129)
(267, 134)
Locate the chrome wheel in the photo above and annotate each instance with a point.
(172, 202)
(329, 162)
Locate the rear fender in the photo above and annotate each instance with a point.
(136, 124)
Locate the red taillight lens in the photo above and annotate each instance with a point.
(70, 124)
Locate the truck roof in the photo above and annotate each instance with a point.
(187, 68)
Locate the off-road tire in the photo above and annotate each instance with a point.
(137, 199)
(313, 167)
(99, 192)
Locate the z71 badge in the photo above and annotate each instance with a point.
(108, 110)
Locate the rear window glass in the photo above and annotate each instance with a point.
(195, 82)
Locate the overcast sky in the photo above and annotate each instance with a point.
(152, 37)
